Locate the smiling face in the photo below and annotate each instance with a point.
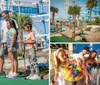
(8, 25)
(84, 52)
(5, 16)
(26, 29)
(93, 55)
(62, 56)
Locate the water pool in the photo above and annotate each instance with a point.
(83, 34)
(53, 29)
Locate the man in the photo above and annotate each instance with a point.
(3, 49)
(80, 57)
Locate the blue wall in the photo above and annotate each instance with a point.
(78, 47)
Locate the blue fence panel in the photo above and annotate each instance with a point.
(26, 9)
(78, 47)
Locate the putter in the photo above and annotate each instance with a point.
(24, 62)
(3, 50)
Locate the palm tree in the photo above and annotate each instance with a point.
(91, 4)
(61, 23)
(53, 10)
(74, 10)
(21, 19)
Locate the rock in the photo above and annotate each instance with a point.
(77, 32)
(95, 28)
(78, 38)
(88, 29)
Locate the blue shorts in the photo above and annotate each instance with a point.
(15, 46)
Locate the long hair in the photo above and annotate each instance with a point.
(93, 51)
(57, 60)
(13, 25)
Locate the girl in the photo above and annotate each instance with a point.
(12, 48)
(31, 52)
(60, 60)
(90, 60)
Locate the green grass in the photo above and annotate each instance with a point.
(22, 81)
(62, 39)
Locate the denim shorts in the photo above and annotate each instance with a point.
(15, 46)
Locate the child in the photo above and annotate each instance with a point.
(90, 60)
(12, 48)
(60, 60)
(31, 52)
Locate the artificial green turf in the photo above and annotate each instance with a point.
(22, 81)
(20, 58)
(62, 39)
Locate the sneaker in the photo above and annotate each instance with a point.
(35, 77)
(11, 76)
(15, 74)
(10, 73)
(29, 76)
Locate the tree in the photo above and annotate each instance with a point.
(91, 4)
(53, 10)
(21, 19)
(97, 21)
(74, 10)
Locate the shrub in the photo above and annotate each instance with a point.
(96, 21)
(19, 54)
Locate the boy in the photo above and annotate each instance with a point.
(31, 52)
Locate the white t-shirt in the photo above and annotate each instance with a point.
(80, 55)
(5, 29)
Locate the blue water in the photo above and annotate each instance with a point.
(82, 34)
(53, 30)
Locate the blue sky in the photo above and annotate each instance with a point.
(60, 5)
